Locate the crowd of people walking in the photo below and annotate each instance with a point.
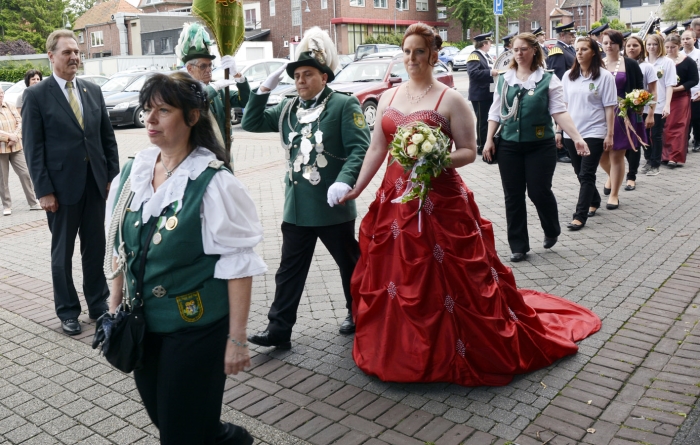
(185, 227)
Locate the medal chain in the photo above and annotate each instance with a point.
(169, 173)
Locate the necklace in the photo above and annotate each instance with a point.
(169, 173)
(678, 57)
(617, 66)
(416, 99)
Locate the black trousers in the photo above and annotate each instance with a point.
(481, 109)
(182, 382)
(85, 219)
(653, 154)
(585, 168)
(528, 167)
(298, 245)
(633, 159)
(695, 121)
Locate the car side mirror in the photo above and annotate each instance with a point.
(395, 80)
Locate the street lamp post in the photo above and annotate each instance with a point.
(301, 15)
(66, 22)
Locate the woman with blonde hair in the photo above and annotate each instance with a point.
(666, 73)
(675, 145)
(526, 99)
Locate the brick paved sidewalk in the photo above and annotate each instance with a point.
(633, 267)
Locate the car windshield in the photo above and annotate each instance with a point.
(116, 83)
(363, 72)
(137, 85)
(17, 88)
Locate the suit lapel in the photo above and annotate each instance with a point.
(55, 90)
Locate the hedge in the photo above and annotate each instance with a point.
(15, 73)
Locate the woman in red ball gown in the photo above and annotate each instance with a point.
(431, 300)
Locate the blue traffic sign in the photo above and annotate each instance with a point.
(498, 7)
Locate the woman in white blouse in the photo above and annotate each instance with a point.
(188, 236)
(634, 49)
(590, 96)
(666, 73)
(526, 99)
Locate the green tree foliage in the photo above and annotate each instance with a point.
(680, 9)
(31, 20)
(76, 8)
(611, 8)
(391, 38)
(478, 14)
(14, 72)
(618, 25)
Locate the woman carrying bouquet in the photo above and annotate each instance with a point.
(590, 96)
(675, 145)
(525, 101)
(628, 76)
(431, 299)
(634, 49)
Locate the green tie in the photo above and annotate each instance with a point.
(73, 101)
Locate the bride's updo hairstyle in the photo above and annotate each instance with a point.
(432, 40)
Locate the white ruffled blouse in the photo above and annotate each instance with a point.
(230, 224)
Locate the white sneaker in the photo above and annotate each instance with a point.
(7, 212)
(35, 207)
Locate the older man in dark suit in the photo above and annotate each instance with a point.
(72, 155)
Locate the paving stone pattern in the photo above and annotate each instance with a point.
(315, 393)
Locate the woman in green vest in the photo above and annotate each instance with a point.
(188, 235)
(526, 99)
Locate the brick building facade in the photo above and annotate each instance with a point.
(98, 32)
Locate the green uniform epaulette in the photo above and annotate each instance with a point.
(473, 57)
(555, 50)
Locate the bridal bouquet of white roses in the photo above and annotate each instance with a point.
(424, 151)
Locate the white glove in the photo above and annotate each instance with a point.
(336, 191)
(230, 63)
(274, 79)
(221, 84)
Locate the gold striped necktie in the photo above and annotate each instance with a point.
(73, 100)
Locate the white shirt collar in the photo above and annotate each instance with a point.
(173, 189)
(62, 82)
(529, 84)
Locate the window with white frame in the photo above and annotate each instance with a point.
(250, 18)
(380, 4)
(421, 5)
(272, 8)
(149, 47)
(442, 13)
(81, 38)
(324, 4)
(443, 33)
(296, 17)
(534, 25)
(360, 3)
(513, 27)
(166, 45)
(96, 39)
(402, 5)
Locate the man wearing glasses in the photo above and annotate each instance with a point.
(193, 50)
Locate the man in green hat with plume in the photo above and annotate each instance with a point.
(193, 50)
(324, 136)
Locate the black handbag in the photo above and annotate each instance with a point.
(496, 143)
(120, 336)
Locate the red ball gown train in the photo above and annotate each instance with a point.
(437, 305)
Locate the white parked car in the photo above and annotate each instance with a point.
(460, 60)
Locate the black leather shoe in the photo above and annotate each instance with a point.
(565, 159)
(347, 326)
(606, 191)
(234, 434)
(549, 242)
(479, 151)
(591, 214)
(612, 206)
(696, 149)
(265, 338)
(575, 227)
(71, 326)
(517, 257)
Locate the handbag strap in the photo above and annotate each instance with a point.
(138, 298)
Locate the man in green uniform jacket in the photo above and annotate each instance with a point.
(325, 137)
(193, 50)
